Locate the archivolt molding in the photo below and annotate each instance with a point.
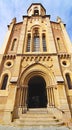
(36, 69)
(28, 65)
(37, 25)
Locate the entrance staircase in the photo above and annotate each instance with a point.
(39, 117)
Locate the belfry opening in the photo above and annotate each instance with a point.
(37, 96)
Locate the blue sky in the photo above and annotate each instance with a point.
(17, 8)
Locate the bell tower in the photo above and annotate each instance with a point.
(36, 9)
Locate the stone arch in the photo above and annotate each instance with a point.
(7, 72)
(45, 75)
(37, 69)
(35, 26)
(4, 83)
(67, 71)
(70, 78)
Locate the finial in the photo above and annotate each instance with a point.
(59, 19)
(14, 20)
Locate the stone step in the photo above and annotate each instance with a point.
(37, 122)
(25, 124)
(29, 115)
(38, 119)
(37, 111)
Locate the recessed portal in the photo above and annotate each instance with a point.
(37, 97)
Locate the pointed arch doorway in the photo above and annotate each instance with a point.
(37, 96)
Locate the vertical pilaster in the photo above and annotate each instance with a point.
(66, 38)
(49, 38)
(22, 37)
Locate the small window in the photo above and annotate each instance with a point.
(58, 42)
(8, 63)
(36, 40)
(36, 47)
(14, 45)
(36, 11)
(4, 82)
(64, 63)
(68, 81)
(28, 43)
(44, 43)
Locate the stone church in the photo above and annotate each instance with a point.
(36, 71)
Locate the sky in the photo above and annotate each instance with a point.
(10, 9)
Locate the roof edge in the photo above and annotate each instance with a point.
(36, 4)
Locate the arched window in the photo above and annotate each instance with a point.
(36, 11)
(4, 82)
(58, 42)
(68, 80)
(13, 47)
(36, 41)
(44, 42)
(36, 44)
(28, 43)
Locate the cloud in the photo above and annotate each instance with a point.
(17, 8)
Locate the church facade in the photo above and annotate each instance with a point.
(35, 66)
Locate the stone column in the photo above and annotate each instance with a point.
(47, 97)
(20, 100)
(50, 96)
(24, 98)
(25, 101)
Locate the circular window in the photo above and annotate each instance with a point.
(65, 63)
(8, 63)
